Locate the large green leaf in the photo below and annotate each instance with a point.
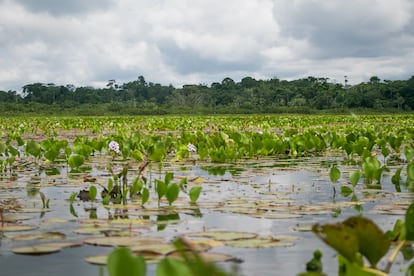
(121, 262)
(373, 243)
(340, 237)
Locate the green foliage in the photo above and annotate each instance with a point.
(354, 177)
(172, 267)
(92, 193)
(195, 193)
(121, 262)
(172, 193)
(75, 161)
(409, 223)
(355, 235)
(334, 174)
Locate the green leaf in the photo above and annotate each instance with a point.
(340, 237)
(168, 177)
(92, 193)
(410, 171)
(72, 197)
(195, 193)
(334, 174)
(145, 196)
(373, 243)
(409, 223)
(172, 192)
(173, 267)
(396, 178)
(75, 161)
(161, 188)
(348, 268)
(354, 177)
(121, 262)
(409, 153)
(33, 148)
(346, 191)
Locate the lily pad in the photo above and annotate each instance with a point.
(97, 260)
(17, 227)
(38, 236)
(45, 248)
(15, 217)
(36, 250)
(211, 257)
(123, 241)
(263, 242)
(222, 235)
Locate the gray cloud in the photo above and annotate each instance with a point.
(339, 28)
(88, 42)
(70, 7)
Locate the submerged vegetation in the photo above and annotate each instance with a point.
(124, 177)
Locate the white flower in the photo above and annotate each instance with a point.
(114, 146)
(191, 148)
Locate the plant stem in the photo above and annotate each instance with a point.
(393, 256)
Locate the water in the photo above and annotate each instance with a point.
(298, 182)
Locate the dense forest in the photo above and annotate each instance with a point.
(247, 96)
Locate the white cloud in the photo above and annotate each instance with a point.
(185, 41)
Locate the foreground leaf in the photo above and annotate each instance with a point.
(121, 262)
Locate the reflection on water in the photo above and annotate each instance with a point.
(231, 194)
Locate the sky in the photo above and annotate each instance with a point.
(88, 42)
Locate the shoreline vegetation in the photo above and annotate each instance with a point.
(249, 96)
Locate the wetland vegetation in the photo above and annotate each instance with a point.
(250, 193)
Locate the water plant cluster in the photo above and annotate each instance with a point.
(135, 154)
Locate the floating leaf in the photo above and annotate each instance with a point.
(45, 248)
(262, 242)
(97, 260)
(36, 250)
(209, 257)
(45, 235)
(223, 235)
(14, 218)
(123, 241)
(16, 227)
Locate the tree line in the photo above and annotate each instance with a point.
(247, 96)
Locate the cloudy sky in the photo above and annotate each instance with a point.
(88, 42)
